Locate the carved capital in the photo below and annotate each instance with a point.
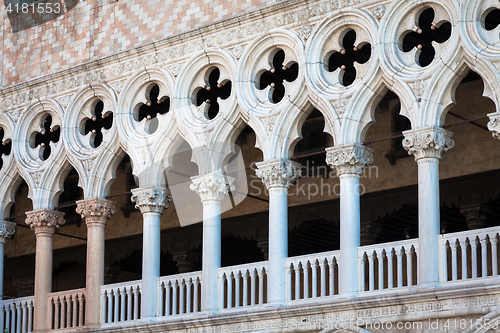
(428, 142)
(151, 199)
(475, 216)
(278, 173)
(45, 221)
(95, 210)
(212, 187)
(186, 261)
(7, 229)
(494, 125)
(349, 159)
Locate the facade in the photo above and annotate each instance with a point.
(215, 166)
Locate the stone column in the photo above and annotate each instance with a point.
(44, 222)
(427, 146)
(151, 202)
(95, 212)
(7, 229)
(349, 161)
(211, 188)
(277, 176)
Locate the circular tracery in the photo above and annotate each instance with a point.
(5, 147)
(149, 109)
(275, 77)
(47, 135)
(99, 121)
(208, 96)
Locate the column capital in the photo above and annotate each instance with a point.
(278, 173)
(95, 210)
(45, 221)
(349, 159)
(151, 199)
(212, 186)
(494, 124)
(429, 142)
(7, 229)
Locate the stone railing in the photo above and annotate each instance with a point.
(66, 309)
(388, 265)
(120, 302)
(16, 315)
(313, 275)
(179, 294)
(242, 285)
(469, 254)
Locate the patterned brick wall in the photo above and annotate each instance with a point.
(38, 44)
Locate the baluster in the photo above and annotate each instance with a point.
(371, 271)
(253, 289)
(68, 311)
(484, 257)
(400, 267)
(2, 318)
(463, 246)
(289, 286)
(230, 291)
(331, 279)
(390, 272)
(168, 296)
(75, 312)
(25, 320)
(195, 301)
(116, 309)
(189, 284)
(57, 309)
(63, 312)
(13, 317)
(297, 281)
(362, 276)
(129, 303)
(314, 270)
(381, 270)
(222, 293)
(454, 261)
(136, 302)
(30, 316)
(103, 307)
(7, 318)
(82, 310)
(409, 268)
(306, 280)
(237, 289)
(322, 265)
(160, 299)
(181, 297)
(245, 288)
(473, 246)
(494, 255)
(174, 298)
(123, 294)
(18, 318)
(110, 306)
(261, 286)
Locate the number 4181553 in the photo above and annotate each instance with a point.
(32, 8)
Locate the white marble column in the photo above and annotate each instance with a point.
(7, 229)
(211, 188)
(151, 202)
(44, 222)
(277, 176)
(427, 146)
(349, 161)
(95, 212)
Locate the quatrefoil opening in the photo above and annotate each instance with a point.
(155, 105)
(45, 136)
(97, 123)
(5, 147)
(349, 54)
(210, 94)
(491, 19)
(426, 35)
(276, 76)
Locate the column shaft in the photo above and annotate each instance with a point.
(150, 262)
(7, 229)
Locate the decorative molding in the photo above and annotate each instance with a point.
(278, 173)
(212, 187)
(7, 230)
(237, 51)
(151, 199)
(44, 220)
(95, 210)
(428, 142)
(418, 88)
(494, 125)
(378, 11)
(349, 159)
